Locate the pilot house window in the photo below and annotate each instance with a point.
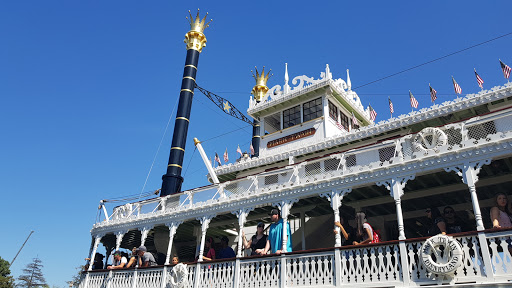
(333, 111)
(291, 117)
(313, 109)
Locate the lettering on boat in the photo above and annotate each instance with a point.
(290, 138)
(441, 254)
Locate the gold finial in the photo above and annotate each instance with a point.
(260, 89)
(196, 141)
(195, 38)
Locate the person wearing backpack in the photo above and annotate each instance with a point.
(364, 231)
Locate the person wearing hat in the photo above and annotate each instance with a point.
(98, 261)
(145, 258)
(258, 240)
(226, 251)
(275, 235)
(119, 261)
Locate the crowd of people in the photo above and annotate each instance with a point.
(260, 243)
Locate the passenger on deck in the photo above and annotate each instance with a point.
(98, 261)
(436, 223)
(275, 235)
(175, 259)
(258, 240)
(226, 251)
(364, 231)
(347, 232)
(145, 258)
(133, 259)
(500, 214)
(119, 261)
(208, 249)
(453, 223)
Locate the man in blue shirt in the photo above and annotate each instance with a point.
(226, 251)
(275, 235)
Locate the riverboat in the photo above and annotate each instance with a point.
(319, 155)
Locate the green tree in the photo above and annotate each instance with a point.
(6, 281)
(75, 281)
(32, 275)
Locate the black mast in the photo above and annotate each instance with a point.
(195, 40)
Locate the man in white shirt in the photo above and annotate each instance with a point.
(119, 261)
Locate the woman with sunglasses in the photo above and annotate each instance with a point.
(436, 224)
(258, 240)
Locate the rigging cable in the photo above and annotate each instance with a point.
(159, 146)
(434, 60)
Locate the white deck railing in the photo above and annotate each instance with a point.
(470, 133)
(374, 265)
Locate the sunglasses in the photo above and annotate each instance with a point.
(449, 212)
(428, 211)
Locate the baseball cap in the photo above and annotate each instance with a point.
(273, 212)
(117, 252)
(225, 239)
(142, 248)
(260, 224)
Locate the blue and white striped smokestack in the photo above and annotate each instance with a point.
(195, 40)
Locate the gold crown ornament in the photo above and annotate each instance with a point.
(260, 89)
(195, 38)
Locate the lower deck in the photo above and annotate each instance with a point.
(486, 260)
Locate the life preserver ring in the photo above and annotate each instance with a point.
(429, 138)
(179, 276)
(441, 261)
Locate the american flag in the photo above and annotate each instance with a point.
(252, 150)
(414, 102)
(373, 114)
(217, 159)
(391, 106)
(433, 93)
(456, 86)
(238, 150)
(479, 80)
(354, 120)
(226, 158)
(506, 69)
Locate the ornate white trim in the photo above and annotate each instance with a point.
(435, 111)
(366, 176)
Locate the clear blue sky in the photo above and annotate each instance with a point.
(87, 87)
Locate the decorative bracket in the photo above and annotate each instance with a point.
(241, 214)
(205, 222)
(396, 185)
(469, 170)
(336, 196)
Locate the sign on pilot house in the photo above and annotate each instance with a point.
(290, 138)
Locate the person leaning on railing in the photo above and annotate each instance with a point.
(119, 261)
(347, 232)
(133, 259)
(258, 240)
(208, 249)
(364, 231)
(501, 214)
(436, 223)
(145, 258)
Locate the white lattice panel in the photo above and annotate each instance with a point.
(217, 275)
(149, 278)
(310, 270)
(262, 273)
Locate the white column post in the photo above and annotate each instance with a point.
(173, 227)
(396, 187)
(241, 214)
(144, 234)
(336, 197)
(93, 253)
(469, 173)
(205, 222)
(119, 238)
